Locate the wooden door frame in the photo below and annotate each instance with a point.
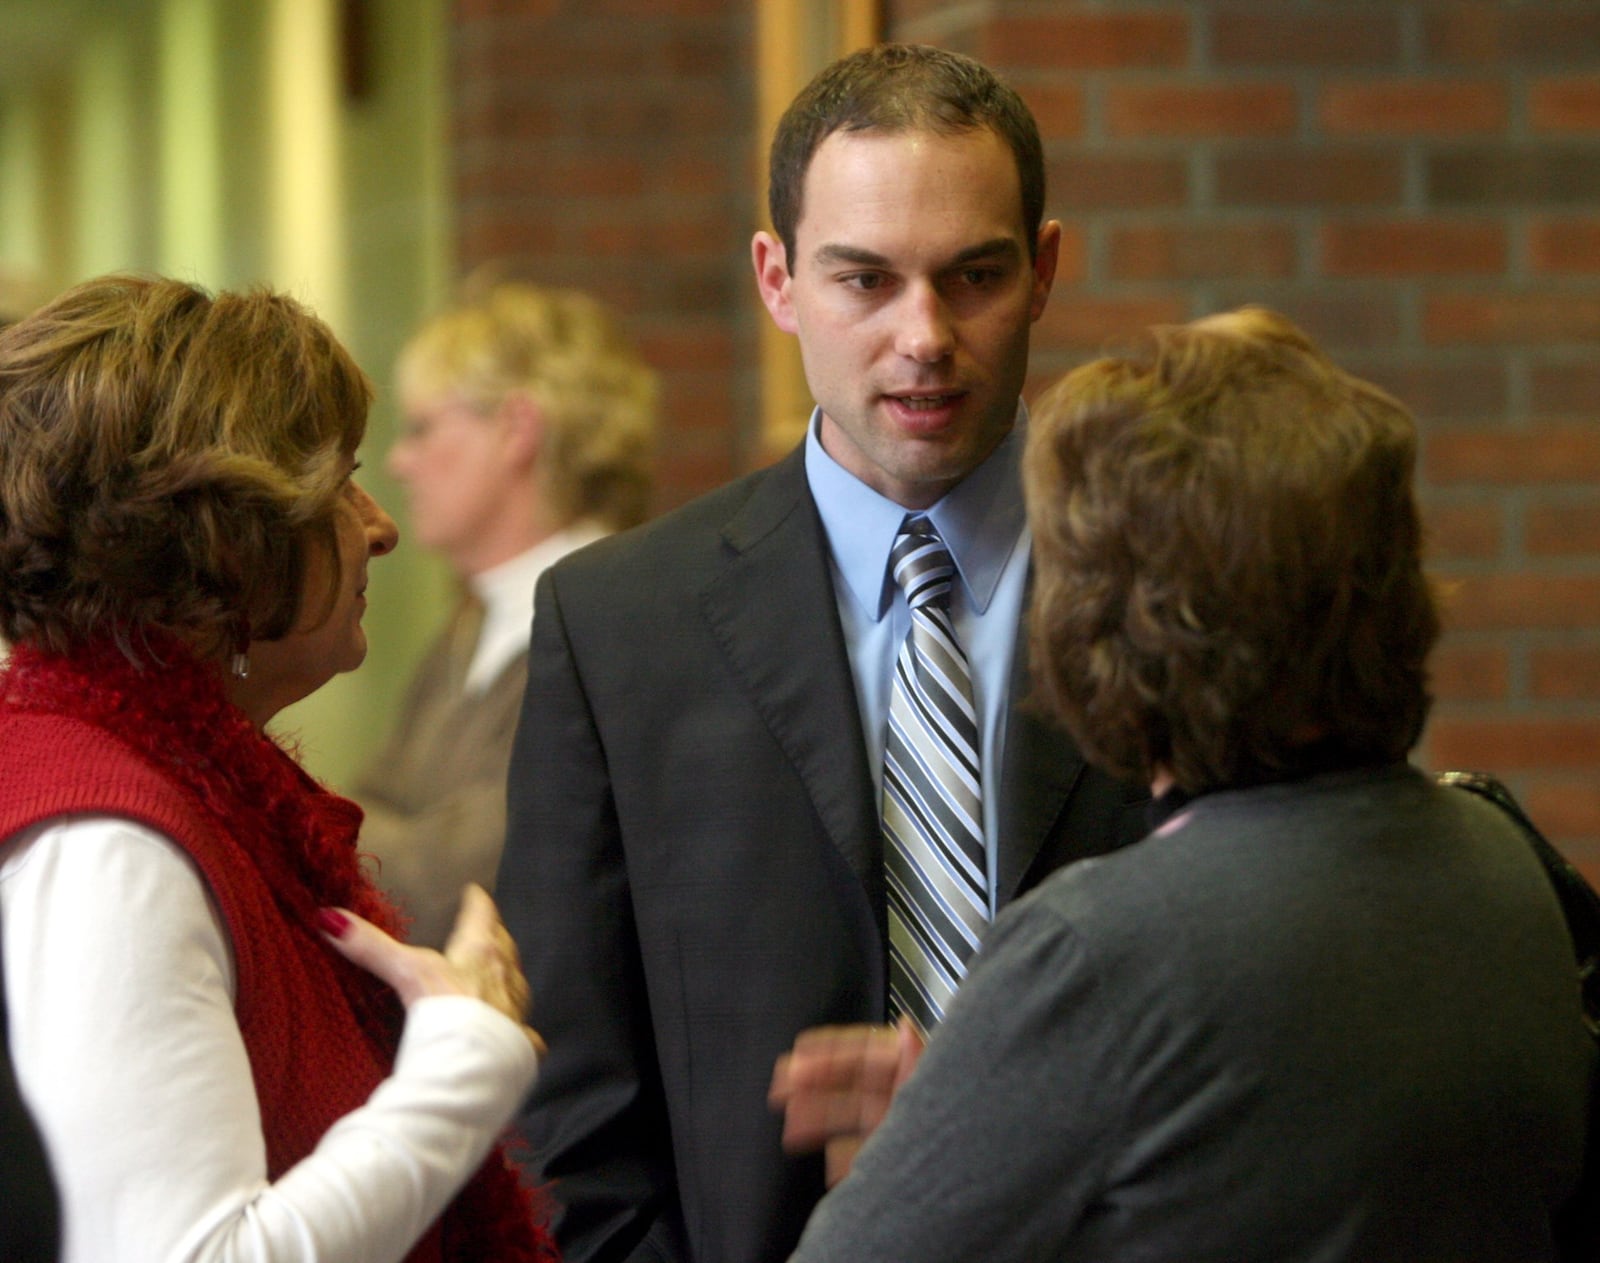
(794, 39)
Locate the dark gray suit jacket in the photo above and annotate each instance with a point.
(693, 865)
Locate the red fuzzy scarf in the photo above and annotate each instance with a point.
(173, 713)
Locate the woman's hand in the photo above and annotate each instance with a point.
(479, 959)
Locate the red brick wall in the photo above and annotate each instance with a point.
(1417, 183)
(609, 145)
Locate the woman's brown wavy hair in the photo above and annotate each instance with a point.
(1227, 551)
(168, 459)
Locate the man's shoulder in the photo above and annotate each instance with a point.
(694, 533)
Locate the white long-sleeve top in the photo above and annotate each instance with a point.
(120, 989)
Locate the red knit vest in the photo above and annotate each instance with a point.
(319, 1032)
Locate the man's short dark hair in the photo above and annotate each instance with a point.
(899, 88)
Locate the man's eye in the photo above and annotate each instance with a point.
(864, 280)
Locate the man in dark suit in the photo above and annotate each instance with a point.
(695, 863)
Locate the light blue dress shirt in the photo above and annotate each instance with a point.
(983, 524)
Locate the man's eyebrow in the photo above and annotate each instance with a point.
(835, 253)
(998, 246)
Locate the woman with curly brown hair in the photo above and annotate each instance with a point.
(227, 1055)
(1326, 1009)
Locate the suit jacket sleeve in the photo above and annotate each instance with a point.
(597, 1125)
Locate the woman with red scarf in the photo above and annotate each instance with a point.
(227, 1053)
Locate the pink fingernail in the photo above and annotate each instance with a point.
(332, 922)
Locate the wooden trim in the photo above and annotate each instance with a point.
(794, 39)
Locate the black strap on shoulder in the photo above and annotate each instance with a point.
(1577, 1224)
(1578, 899)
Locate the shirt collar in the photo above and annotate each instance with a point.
(508, 587)
(980, 520)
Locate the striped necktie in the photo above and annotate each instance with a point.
(934, 856)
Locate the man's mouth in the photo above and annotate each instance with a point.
(928, 403)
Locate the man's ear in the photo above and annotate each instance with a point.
(1044, 266)
(523, 425)
(773, 280)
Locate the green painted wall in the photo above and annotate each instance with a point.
(228, 144)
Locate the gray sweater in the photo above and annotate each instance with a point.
(1328, 1020)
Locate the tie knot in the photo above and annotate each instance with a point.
(922, 564)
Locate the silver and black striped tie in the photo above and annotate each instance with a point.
(934, 855)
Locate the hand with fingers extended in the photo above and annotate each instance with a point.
(479, 958)
(834, 1087)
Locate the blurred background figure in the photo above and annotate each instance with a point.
(227, 1055)
(528, 431)
(1327, 1009)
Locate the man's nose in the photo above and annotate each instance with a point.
(925, 333)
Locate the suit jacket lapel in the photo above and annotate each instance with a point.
(789, 651)
(1041, 767)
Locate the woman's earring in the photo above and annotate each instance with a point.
(240, 665)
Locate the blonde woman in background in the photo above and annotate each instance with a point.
(528, 431)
